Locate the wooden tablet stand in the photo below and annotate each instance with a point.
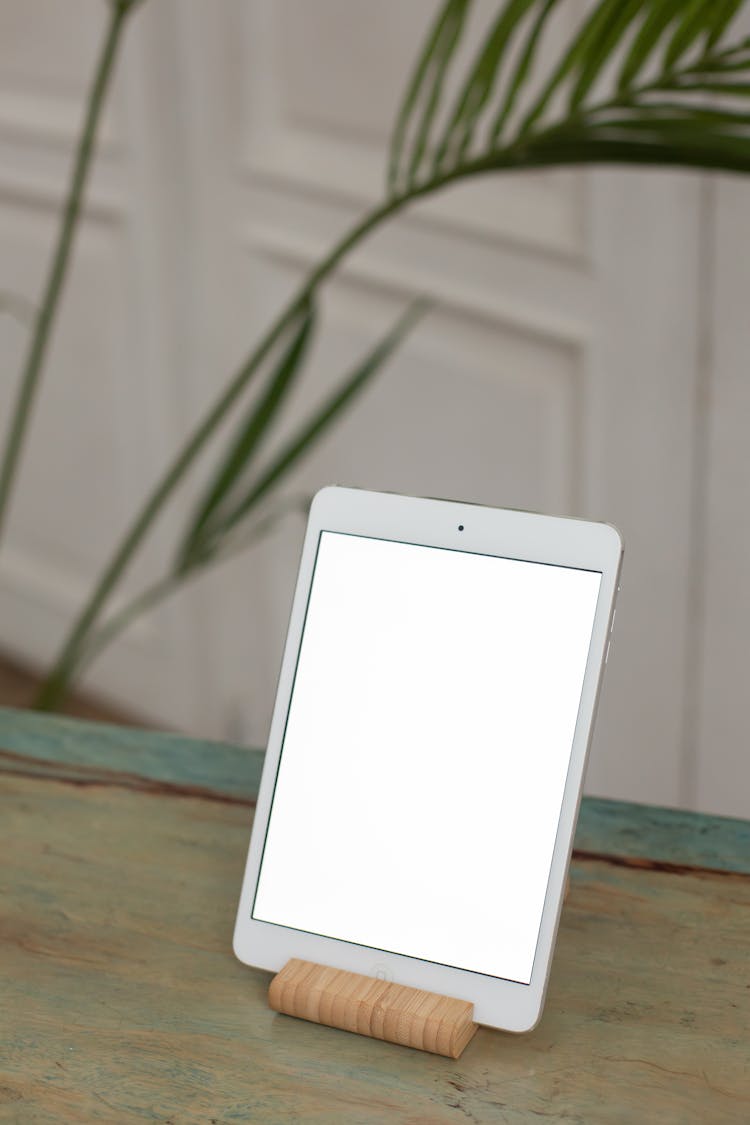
(374, 1007)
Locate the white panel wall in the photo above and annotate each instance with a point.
(717, 731)
(108, 413)
(563, 366)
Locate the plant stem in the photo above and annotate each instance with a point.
(54, 687)
(163, 587)
(32, 369)
(547, 147)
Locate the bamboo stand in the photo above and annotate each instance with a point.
(373, 1007)
(378, 1008)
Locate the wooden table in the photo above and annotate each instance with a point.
(122, 855)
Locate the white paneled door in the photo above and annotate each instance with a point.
(719, 747)
(563, 366)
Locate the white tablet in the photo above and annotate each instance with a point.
(428, 745)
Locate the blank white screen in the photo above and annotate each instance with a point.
(426, 750)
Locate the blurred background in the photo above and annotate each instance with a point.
(586, 355)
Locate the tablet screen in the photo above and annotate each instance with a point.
(425, 753)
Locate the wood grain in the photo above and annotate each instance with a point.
(122, 1002)
(92, 753)
(380, 1009)
(100, 752)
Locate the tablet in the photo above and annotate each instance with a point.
(426, 755)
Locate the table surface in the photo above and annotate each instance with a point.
(122, 857)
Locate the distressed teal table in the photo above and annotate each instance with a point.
(122, 854)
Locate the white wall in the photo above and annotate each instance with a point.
(585, 356)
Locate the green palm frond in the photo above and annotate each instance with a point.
(677, 96)
(644, 82)
(478, 88)
(242, 450)
(425, 88)
(237, 490)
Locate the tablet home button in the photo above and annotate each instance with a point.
(381, 971)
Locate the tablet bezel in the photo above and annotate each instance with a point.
(505, 533)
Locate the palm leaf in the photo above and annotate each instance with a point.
(726, 10)
(657, 19)
(675, 114)
(619, 144)
(251, 431)
(309, 433)
(679, 116)
(628, 124)
(479, 84)
(714, 68)
(576, 54)
(521, 72)
(607, 39)
(729, 10)
(440, 67)
(698, 17)
(426, 83)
